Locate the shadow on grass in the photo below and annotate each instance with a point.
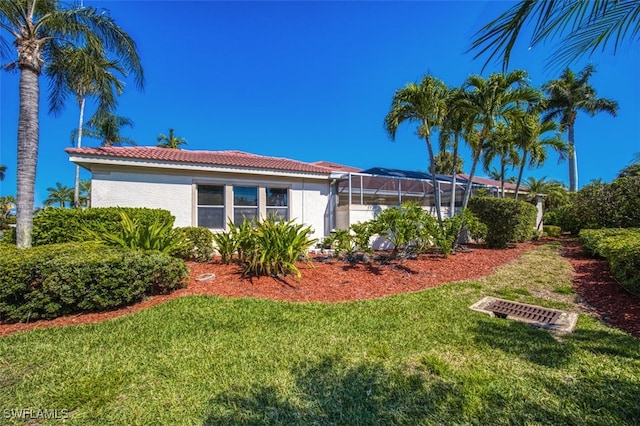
(333, 392)
(524, 341)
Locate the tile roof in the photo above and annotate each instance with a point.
(335, 167)
(492, 182)
(217, 158)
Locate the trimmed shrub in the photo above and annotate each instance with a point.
(621, 249)
(552, 231)
(507, 220)
(55, 225)
(60, 279)
(8, 236)
(602, 205)
(199, 246)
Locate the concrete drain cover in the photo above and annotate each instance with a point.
(547, 318)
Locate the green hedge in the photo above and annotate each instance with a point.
(621, 249)
(55, 225)
(200, 244)
(552, 230)
(507, 220)
(60, 279)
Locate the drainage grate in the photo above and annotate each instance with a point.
(504, 309)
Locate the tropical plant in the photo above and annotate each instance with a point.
(106, 126)
(490, 101)
(533, 138)
(59, 194)
(226, 245)
(633, 169)
(457, 123)
(567, 96)
(85, 192)
(555, 192)
(423, 103)
(3, 170)
(38, 29)
(83, 72)
(501, 145)
(277, 246)
(7, 204)
(172, 141)
(445, 164)
(584, 26)
(157, 235)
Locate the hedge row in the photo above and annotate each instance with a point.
(621, 249)
(60, 279)
(55, 225)
(508, 220)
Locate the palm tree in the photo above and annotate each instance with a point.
(425, 104)
(444, 163)
(106, 126)
(171, 141)
(457, 123)
(492, 100)
(83, 72)
(633, 169)
(590, 25)
(533, 137)
(501, 145)
(3, 171)
(60, 194)
(85, 192)
(555, 191)
(568, 95)
(37, 28)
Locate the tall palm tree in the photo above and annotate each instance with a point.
(3, 171)
(59, 194)
(501, 145)
(423, 103)
(533, 137)
(37, 28)
(490, 101)
(457, 123)
(583, 26)
(172, 141)
(83, 72)
(566, 97)
(106, 127)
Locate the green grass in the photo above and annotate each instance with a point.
(421, 358)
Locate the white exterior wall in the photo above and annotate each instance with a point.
(155, 191)
(308, 198)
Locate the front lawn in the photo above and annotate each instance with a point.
(420, 358)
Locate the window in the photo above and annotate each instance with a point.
(278, 203)
(211, 206)
(245, 203)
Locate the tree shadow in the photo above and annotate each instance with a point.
(525, 341)
(332, 392)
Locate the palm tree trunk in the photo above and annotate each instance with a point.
(27, 153)
(502, 177)
(76, 190)
(520, 172)
(434, 180)
(573, 161)
(472, 172)
(454, 172)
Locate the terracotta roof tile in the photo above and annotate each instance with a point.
(218, 158)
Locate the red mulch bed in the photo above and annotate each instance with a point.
(336, 281)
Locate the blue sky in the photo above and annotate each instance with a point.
(312, 81)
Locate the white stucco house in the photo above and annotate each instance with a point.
(209, 188)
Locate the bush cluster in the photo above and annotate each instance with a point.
(621, 249)
(55, 225)
(409, 228)
(199, 244)
(267, 247)
(507, 220)
(601, 205)
(60, 279)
